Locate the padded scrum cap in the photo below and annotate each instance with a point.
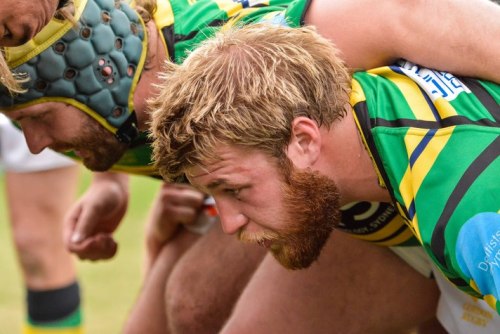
(93, 66)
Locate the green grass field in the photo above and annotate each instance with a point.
(109, 287)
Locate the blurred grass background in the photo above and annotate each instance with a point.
(109, 288)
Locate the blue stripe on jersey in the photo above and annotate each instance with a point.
(244, 3)
(431, 105)
(411, 210)
(421, 146)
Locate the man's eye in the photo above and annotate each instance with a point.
(232, 191)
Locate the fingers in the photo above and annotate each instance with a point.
(183, 215)
(180, 203)
(98, 247)
(181, 195)
(84, 225)
(175, 204)
(70, 221)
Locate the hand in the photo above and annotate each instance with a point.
(92, 220)
(174, 205)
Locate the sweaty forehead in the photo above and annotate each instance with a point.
(205, 174)
(202, 174)
(233, 163)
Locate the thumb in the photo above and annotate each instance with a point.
(69, 223)
(84, 225)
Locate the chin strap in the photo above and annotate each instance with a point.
(62, 3)
(128, 131)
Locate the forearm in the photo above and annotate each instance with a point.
(459, 36)
(120, 180)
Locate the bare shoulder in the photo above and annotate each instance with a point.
(435, 34)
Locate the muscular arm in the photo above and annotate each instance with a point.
(459, 36)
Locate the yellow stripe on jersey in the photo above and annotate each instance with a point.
(230, 7)
(444, 108)
(406, 188)
(426, 159)
(357, 93)
(400, 239)
(236, 18)
(411, 92)
(411, 228)
(414, 176)
(236, 12)
(390, 228)
(163, 17)
(491, 300)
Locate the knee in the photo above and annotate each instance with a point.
(188, 309)
(39, 254)
(30, 249)
(182, 307)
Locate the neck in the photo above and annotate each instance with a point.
(348, 163)
(149, 77)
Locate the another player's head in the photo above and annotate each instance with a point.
(91, 63)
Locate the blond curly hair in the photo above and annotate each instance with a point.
(245, 86)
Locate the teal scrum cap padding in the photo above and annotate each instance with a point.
(93, 66)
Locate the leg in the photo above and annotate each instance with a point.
(37, 204)
(148, 314)
(355, 287)
(166, 242)
(207, 281)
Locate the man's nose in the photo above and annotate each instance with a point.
(37, 140)
(230, 216)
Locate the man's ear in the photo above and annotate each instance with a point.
(305, 142)
(152, 45)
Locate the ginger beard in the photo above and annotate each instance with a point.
(312, 205)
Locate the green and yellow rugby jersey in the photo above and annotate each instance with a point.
(435, 142)
(185, 23)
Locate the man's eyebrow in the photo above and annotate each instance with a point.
(216, 183)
